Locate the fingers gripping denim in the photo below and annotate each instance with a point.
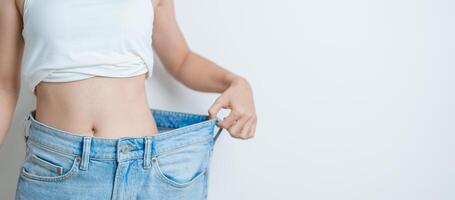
(174, 164)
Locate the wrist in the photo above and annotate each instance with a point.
(231, 79)
(239, 81)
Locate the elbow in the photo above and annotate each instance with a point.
(10, 85)
(178, 70)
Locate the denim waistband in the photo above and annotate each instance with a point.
(186, 129)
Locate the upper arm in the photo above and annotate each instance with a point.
(168, 41)
(11, 43)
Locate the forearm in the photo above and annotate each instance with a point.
(201, 74)
(189, 68)
(11, 47)
(8, 101)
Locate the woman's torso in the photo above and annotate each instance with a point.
(104, 107)
(99, 106)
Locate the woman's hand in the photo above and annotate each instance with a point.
(238, 97)
(203, 75)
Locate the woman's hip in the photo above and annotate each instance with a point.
(64, 165)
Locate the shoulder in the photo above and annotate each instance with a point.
(161, 3)
(155, 3)
(11, 7)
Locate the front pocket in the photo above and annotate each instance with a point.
(184, 166)
(61, 177)
(45, 165)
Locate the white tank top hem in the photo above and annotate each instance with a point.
(74, 40)
(68, 76)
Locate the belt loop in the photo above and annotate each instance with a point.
(27, 123)
(219, 130)
(217, 134)
(147, 151)
(86, 153)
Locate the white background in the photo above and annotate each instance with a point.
(355, 98)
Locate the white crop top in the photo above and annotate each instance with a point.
(68, 40)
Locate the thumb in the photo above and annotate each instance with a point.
(216, 107)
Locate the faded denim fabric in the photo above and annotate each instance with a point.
(172, 165)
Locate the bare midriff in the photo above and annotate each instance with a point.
(103, 107)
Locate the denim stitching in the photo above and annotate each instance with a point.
(172, 150)
(70, 173)
(182, 130)
(161, 175)
(52, 149)
(161, 136)
(158, 152)
(50, 166)
(169, 112)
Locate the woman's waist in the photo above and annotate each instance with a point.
(104, 121)
(176, 129)
(102, 107)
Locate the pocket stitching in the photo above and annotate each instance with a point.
(47, 165)
(171, 182)
(70, 173)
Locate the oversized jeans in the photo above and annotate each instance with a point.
(174, 164)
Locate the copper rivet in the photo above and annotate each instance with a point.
(59, 171)
(78, 159)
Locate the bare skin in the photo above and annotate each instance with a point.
(117, 107)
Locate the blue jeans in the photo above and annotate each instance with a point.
(174, 164)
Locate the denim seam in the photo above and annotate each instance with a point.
(147, 149)
(116, 180)
(166, 150)
(170, 150)
(163, 177)
(53, 149)
(50, 166)
(66, 153)
(86, 153)
(186, 114)
(70, 173)
(162, 151)
(182, 130)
